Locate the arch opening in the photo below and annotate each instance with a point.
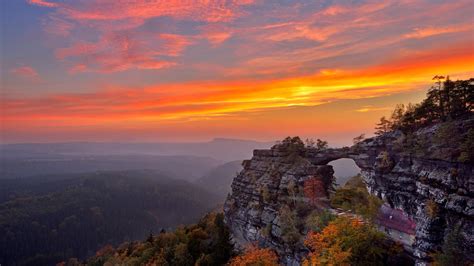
(344, 169)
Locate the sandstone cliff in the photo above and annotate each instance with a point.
(414, 173)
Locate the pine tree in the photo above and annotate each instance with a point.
(383, 126)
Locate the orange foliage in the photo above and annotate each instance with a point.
(254, 256)
(107, 249)
(327, 247)
(314, 189)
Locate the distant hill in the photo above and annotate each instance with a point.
(219, 179)
(181, 167)
(220, 149)
(43, 222)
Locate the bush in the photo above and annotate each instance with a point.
(452, 250)
(316, 221)
(255, 256)
(432, 208)
(288, 224)
(346, 241)
(355, 197)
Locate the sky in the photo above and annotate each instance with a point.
(149, 70)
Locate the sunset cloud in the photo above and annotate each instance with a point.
(119, 52)
(118, 47)
(370, 108)
(42, 3)
(25, 71)
(181, 102)
(152, 65)
(432, 31)
(210, 11)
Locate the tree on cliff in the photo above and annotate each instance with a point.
(205, 243)
(452, 250)
(353, 196)
(255, 256)
(346, 241)
(383, 126)
(358, 139)
(314, 190)
(288, 224)
(446, 100)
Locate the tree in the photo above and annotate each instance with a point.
(266, 195)
(346, 241)
(321, 144)
(397, 116)
(383, 126)
(292, 190)
(288, 222)
(358, 139)
(445, 100)
(355, 197)
(452, 250)
(254, 256)
(318, 220)
(314, 189)
(438, 95)
(310, 143)
(150, 238)
(467, 148)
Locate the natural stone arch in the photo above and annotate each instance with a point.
(404, 181)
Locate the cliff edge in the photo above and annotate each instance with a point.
(423, 174)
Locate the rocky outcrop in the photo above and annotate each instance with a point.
(437, 194)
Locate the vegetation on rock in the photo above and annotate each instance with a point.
(347, 241)
(445, 103)
(205, 243)
(355, 197)
(446, 100)
(451, 253)
(254, 256)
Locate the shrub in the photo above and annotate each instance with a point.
(346, 241)
(266, 195)
(288, 224)
(432, 208)
(267, 231)
(316, 221)
(255, 256)
(452, 250)
(355, 197)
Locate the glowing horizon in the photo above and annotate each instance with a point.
(194, 70)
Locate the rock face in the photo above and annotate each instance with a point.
(437, 194)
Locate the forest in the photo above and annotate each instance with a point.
(446, 100)
(448, 104)
(44, 222)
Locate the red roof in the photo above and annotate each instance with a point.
(395, 219)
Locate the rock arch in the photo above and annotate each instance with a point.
(406, 182)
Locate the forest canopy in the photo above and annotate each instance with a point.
(446, 100)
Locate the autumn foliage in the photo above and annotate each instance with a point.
(345, 241)
(314, 189)
(255, 256)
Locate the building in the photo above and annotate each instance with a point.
(397, 225)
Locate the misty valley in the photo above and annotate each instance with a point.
(60, 201)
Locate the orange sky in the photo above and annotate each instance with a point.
(194, 70)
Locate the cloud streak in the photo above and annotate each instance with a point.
(181, 102)
(25, 71)
(121, 45)
(181, 62)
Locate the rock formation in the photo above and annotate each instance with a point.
(436, 193)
